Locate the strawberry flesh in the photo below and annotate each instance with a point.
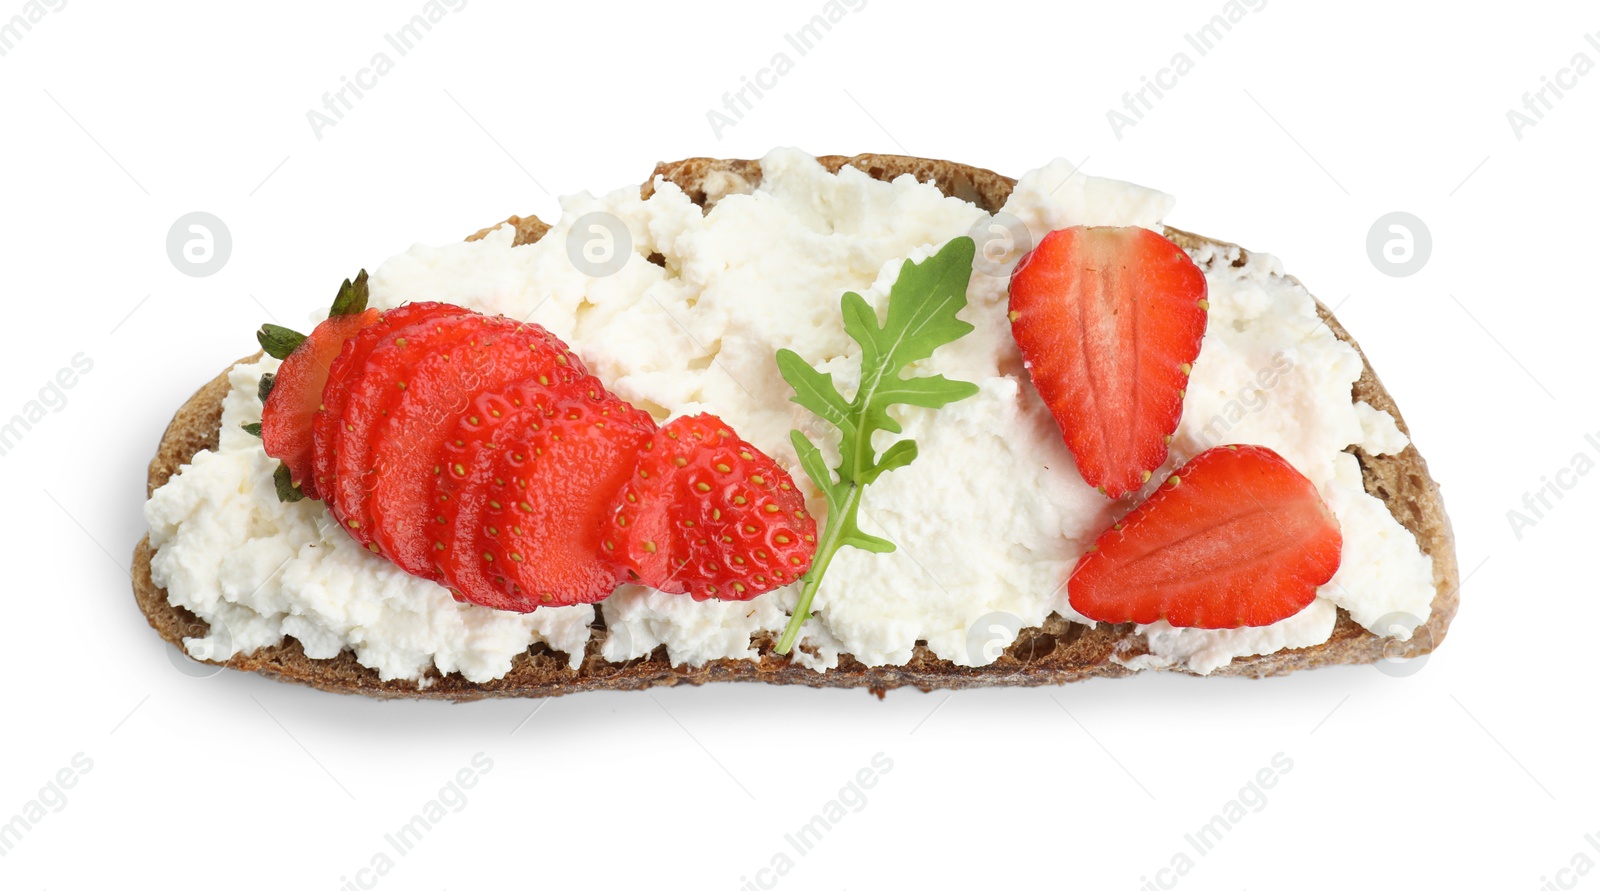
(440, 388)
(462, 488)
(538, 519)
(287, 415)
(327, 424)
(1236, 537)
(374, 388)
(708, 514)
(1109, 321)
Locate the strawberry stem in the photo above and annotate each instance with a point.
(832, 540)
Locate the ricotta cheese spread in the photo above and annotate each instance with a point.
(989, 520)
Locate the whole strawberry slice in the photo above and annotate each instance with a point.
(1236, 537)
(708, 514)
(1110, 321)
(294, 393)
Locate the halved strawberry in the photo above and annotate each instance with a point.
(1236, 537)
(709, 514)
(291, 406)
(536, 516)
(440, 388)
(1110, 321)
(346, 369)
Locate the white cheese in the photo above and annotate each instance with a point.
(989, 520)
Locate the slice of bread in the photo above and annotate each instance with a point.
(1058, 652)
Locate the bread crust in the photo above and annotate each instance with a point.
(1057, 652)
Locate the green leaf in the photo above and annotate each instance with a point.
(920, 318)
(288, 492)
(815, 465)
(352, 297)
(855, 538)
(264, 388)
(278, 341)
(922, 309)
(894, 457)
(252, 429)
(814, 390)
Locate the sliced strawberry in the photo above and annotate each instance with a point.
(346, 369)
(708, 514)
(536, 517)
(461, 489)
(288, 414)
(438, 398)
(374, 386)
(1110, 321)
(480, 452)
(1236, 537)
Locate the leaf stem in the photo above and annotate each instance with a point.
(832, 541)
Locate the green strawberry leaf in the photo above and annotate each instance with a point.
(352, 297)
(288, 492)
(264, 388)
(278, 341)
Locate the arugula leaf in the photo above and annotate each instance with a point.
(921, 317)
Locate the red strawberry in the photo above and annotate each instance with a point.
(461, 488)
(346, 369)
(286, 417)
(535, 518)
(385, 358)
(480, 452)
(493, 420)
(1236, 537)
(493, 354)
(708, 514)
(1109, 321)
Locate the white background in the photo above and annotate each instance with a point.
(1294, 134)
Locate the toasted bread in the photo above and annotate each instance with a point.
(1057, 652)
